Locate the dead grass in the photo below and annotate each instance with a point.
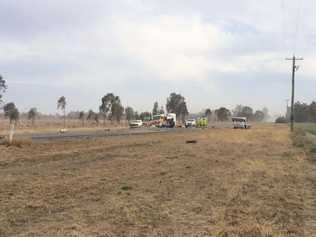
(16, 142)
(229, 183)
(49, 125)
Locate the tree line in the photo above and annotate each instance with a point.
(111, 109)
(224, 114)
(303, 112)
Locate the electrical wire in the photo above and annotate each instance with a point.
(291, 35)
(297, 25)
(283, 26)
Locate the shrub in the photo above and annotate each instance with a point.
(281, 120)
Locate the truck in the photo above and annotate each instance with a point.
(168, 121)
(190, 123)
(240, 122)
(155, 121)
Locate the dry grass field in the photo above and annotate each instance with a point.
(52, 125)
(230, 183)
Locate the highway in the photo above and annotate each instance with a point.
(70, 135)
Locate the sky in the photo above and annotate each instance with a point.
(214, 53)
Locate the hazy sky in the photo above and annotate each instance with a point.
(214, 53)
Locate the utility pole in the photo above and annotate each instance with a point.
(294, 69)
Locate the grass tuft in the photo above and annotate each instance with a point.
(126, 188)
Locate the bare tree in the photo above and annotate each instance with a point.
(11, 112)
(32, 115)
(155, 109)
(61, 104)
(82, 117)
(129, 113)
(3, 87)
(93, 116)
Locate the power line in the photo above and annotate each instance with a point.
(283, 25)
(291, 25)
(297, 21)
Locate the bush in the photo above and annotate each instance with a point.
(281, 120)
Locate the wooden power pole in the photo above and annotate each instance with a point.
(294, 69)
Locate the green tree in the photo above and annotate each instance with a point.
(237, 110)
(155, 109)
(117, 111)
(81, 117)
(32, 114)
(259, 116)
(176, 104)
(111, 107)
(246, 112)
(129, 113)
(281, 119)
(301, 112)
(61, 104)
(312, 111)
(93, 116)
(222, 114)
(106, 106)
(208, 113)
(11, 112)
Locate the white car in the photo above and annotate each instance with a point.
(135, 123)
(190, 123)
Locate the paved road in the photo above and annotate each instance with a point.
(43, 137)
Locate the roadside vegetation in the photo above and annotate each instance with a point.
(304, 136)
(303, 113)
(304, 139)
